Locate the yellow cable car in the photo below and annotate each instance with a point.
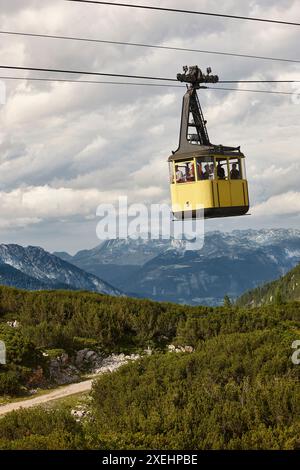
(204, 176)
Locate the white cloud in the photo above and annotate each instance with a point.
(21, 222)
(282, 204)
(37, 203)
(28, 205)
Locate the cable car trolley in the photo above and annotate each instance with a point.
(201, 173)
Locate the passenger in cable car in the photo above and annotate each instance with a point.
(179, 175)
(234, 173)
(206, 173)
(199, 170)
(211, 171)
(220, 171)
(191, 172)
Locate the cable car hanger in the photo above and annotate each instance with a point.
(204, 176)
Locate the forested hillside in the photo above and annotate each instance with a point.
(237, 388)
(285, 289)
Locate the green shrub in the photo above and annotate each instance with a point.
(9, 382)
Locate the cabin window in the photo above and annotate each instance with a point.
(185, 172)
(221, 168)
(235, 169)
(171, 173)
(205, 168)
(243, 169)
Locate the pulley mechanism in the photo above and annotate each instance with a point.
(195, 76)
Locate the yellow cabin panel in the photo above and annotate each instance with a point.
(215, 194)
(245, 186)
(224, 196)
(238, 195)
(188, 196)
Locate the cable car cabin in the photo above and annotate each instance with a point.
(215, 180)
(203, 174)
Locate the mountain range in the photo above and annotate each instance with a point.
(34, 268)
(228, 264)
(164, 270)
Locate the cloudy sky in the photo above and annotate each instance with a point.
(67, 147)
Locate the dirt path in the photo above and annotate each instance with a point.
(54, 395)
(109, 364)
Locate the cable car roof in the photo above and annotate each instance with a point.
(206, 151)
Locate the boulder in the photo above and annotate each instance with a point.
(178, 349)
(63, 373)
(87, 357)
